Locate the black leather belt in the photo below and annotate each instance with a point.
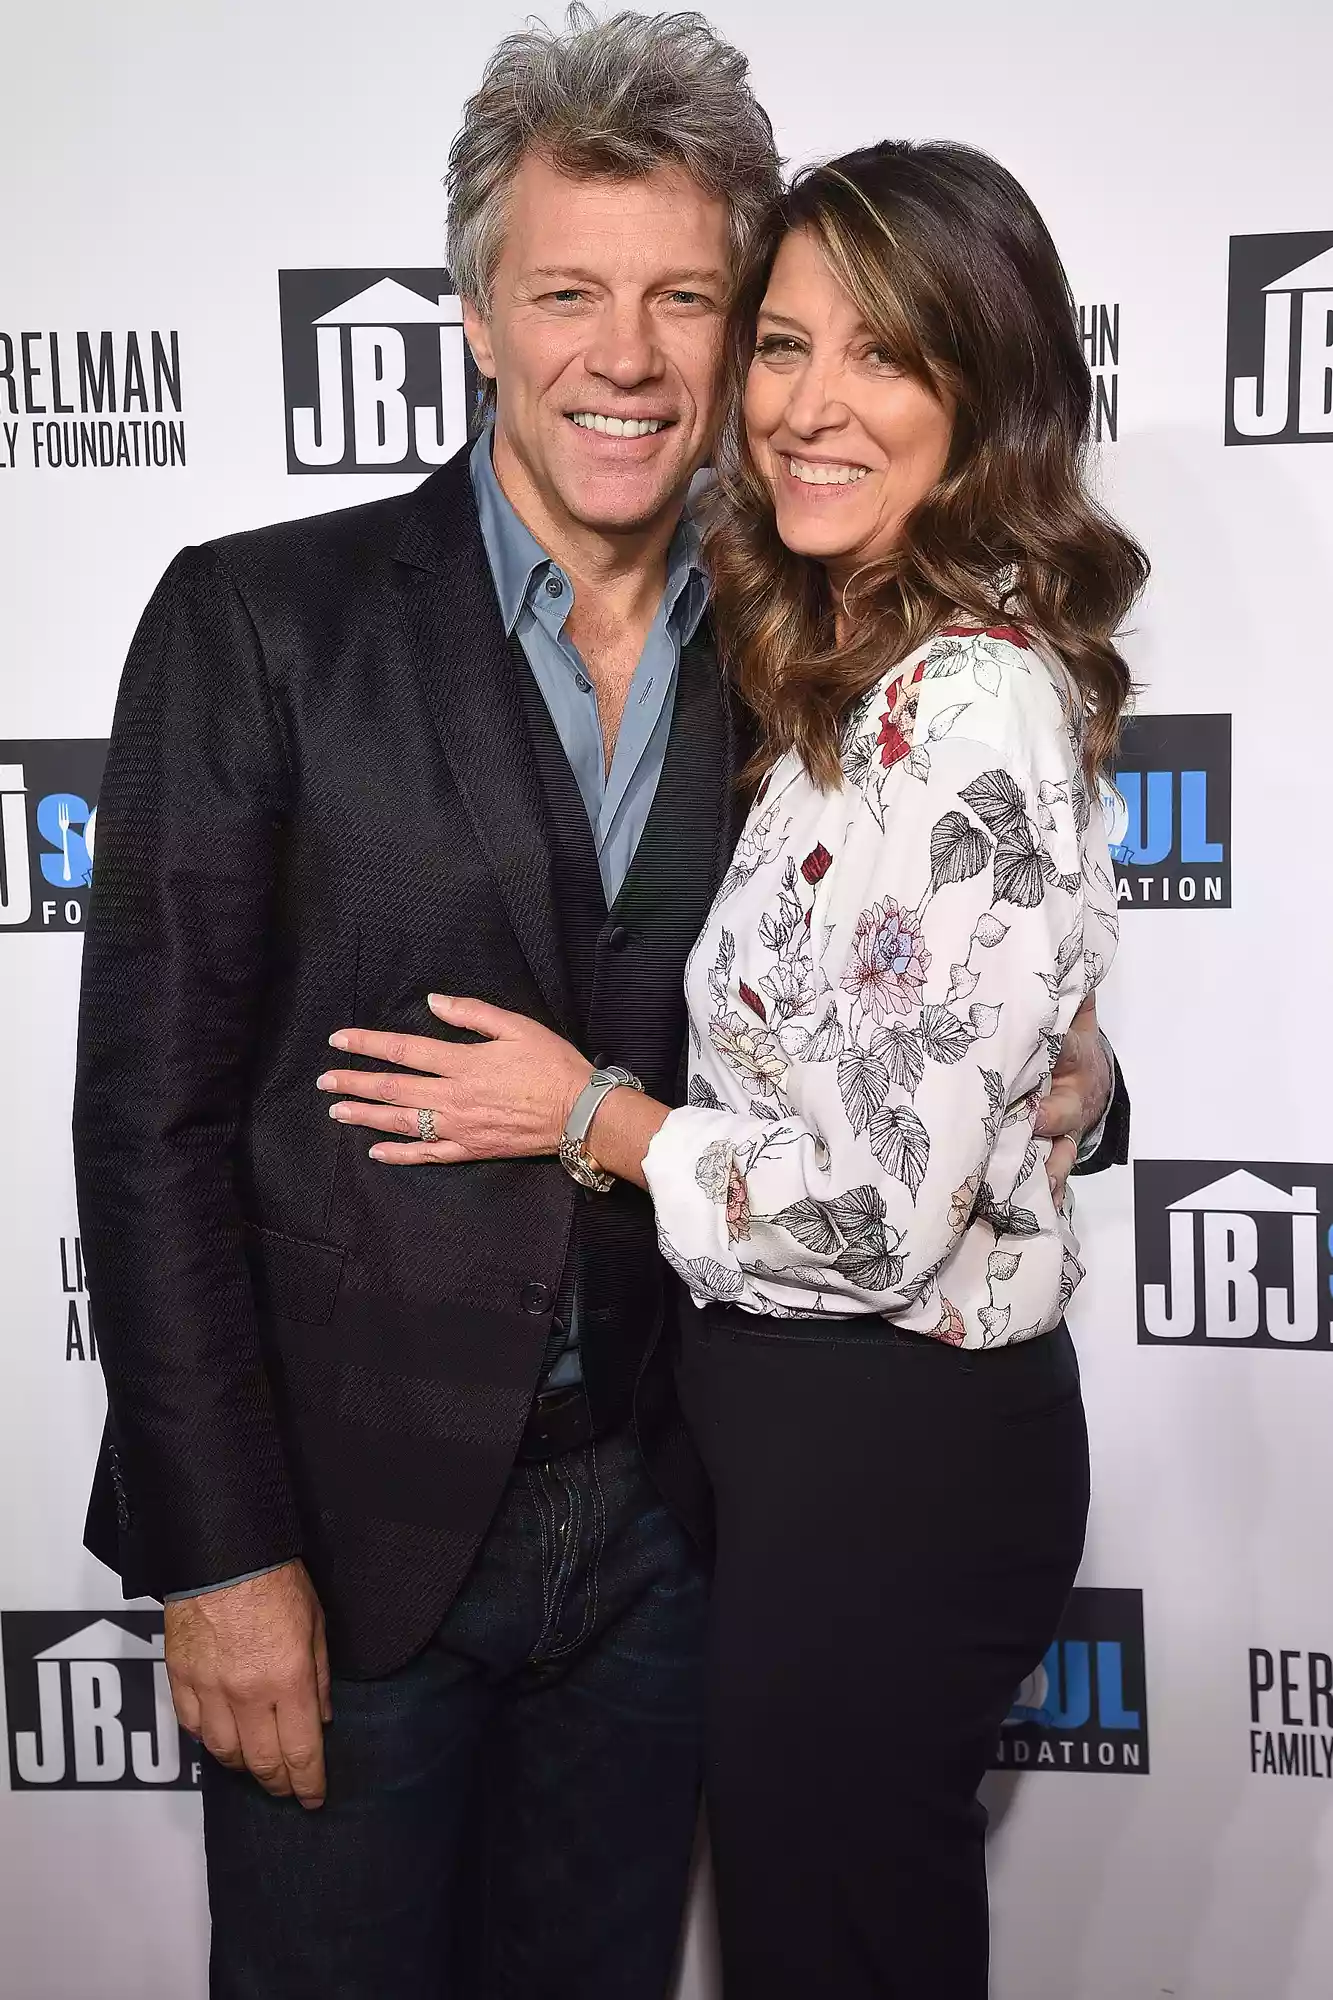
(560, 1421)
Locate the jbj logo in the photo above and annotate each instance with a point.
(1233, 1254)
(1280, 339)
(376, 372)
(89, 1704)
(1086, 1706)
(1291, 1713)
(1170, 812)
(48, 832)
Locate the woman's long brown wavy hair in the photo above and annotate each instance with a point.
(952, 268)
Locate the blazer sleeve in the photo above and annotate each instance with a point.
(190, 822)
(1112, 1149)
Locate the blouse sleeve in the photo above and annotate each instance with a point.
(948, 959)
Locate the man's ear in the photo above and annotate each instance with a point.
(477, 332)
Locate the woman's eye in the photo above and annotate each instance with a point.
(882, 357)
(778, 343)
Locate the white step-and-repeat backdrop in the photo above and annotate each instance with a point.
(203, 202)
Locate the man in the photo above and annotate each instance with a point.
(472, 739)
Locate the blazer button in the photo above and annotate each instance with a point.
(619, 937)
(536, 1298)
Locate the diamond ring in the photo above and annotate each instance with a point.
(426, 1126)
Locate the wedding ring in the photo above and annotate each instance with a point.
(426, 1126)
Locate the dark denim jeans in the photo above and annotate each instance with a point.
(509, 1816)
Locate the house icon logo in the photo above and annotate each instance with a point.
(1280, 339)
(1234, 1255)
(377, 376)
(89, 1705)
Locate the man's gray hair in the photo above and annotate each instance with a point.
(618, 98)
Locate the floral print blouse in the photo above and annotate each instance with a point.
(876, 1004)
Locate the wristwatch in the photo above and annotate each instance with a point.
(574, 1155)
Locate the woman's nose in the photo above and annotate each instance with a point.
(815, 404)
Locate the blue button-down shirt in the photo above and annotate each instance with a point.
(536, 597)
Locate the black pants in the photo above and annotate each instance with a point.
(899, 1526)
(509, 1816)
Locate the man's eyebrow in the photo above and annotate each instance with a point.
(563, 271)
(702, 275)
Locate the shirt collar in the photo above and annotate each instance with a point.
(519, 562)
(516, 557)
(686, 595)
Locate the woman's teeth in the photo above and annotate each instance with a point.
(824, 475)
(617, 427)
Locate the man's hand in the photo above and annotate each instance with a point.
(1079, 1094)
(249, 1673)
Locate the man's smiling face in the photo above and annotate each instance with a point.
(604, 339)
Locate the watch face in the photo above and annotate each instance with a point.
(580, 1167)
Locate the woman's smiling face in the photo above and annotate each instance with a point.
(847, 442)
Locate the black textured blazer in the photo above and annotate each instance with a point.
(321, 802)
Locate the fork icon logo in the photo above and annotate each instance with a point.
(67, 822)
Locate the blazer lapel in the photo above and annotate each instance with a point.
(460, 652)
(687, 841)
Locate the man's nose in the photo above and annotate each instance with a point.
(624, 347)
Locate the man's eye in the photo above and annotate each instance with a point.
(686, 298)
(569, 295)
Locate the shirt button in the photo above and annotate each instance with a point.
(536, 1298)
(618, 938)
(583, 684)
(554, 586)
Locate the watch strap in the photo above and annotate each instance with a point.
(573, 1152)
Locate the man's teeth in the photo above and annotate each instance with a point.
(619, 427)
(824, 475)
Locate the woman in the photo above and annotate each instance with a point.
(919, 602)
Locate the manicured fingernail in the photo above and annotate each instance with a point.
(324, 1082)
(437, 1000)
(338, 1041)
(340, 1111)
(377, 1153)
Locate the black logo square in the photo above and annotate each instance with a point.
(1280, 339)
(1170, 817)
(377, 376)
(1085, 1708)
(48, 832)
(1233, 1254)
(88, 1704)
